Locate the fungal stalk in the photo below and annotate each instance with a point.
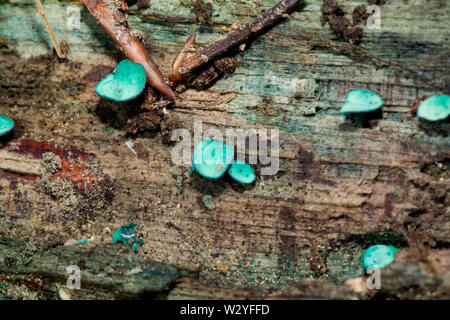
(110, 16)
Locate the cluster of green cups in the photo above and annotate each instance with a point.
(211, 159)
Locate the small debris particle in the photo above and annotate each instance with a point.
(9, 261)
(129, 144)
(208, 202)
(334, 15)
(203, 11)
(222, 268)
(64, 294)
(51, 162)
(360, 14)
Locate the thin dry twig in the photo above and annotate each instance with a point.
(233, 40)
(49, 30)
(114, 20)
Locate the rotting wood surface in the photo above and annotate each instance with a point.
(339, 188)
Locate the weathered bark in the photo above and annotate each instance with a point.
(340, 188)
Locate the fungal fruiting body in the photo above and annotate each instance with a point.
(127, 234)
(434, 108)
(242, 172)
(379, 256)
(361, 101)
(211, 159)
(115, 23)
(6, 125)
(125, 83)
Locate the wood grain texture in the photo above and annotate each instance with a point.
(339, 187)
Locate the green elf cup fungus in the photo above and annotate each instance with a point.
(362, 105)
(379, 256)
(242, 172)
(125, 83)
(6, 125)
(361, 101)
(434, 108)
(127, 234)
(211, 158)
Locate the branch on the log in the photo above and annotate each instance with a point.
(233, 40)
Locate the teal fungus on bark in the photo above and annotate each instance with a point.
(362, 105)
(211, 159)
(379, 256)
(6, 125)
(125, 83)
(127, 234)
(242, 172)
(434, 108)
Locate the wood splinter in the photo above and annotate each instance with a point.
(232, 41)
(110, 16)
(58, 50)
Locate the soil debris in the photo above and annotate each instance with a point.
(203, 11)
(51, 162)
(334, 15)
(360, 14)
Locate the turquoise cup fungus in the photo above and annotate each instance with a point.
(362, 105)
(125, 83)
(434, 108)
(361, 101)
(211, 159)
(242, 172)
(6, 125)
(127, 234)
(379, 256)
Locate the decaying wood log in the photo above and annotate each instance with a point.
(69, 171)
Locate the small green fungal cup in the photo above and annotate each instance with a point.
(379, 256)
(434, 108)
(242, 172)
(125, 83)
(211, 159)
(127, 234)
(361, 101)
(6, 125)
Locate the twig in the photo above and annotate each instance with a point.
(49, 30)
(115, 22)
(175, 76)
(235, 39)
